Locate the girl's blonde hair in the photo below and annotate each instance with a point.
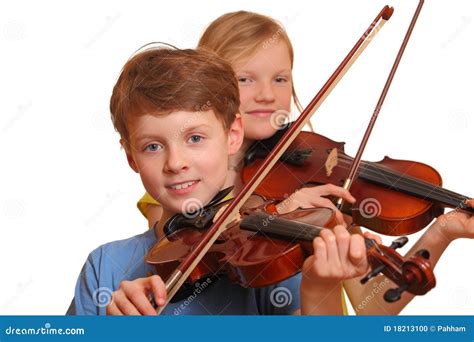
(237, 36)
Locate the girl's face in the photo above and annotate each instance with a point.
(265, 86)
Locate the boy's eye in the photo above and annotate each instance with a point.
(194, 139)
(152, 147)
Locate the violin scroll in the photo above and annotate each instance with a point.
(414, 275)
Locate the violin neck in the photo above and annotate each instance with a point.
(273, 225)
(380, 175)
(287, 229)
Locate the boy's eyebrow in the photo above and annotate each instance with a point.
(187, 129)
(179, 131)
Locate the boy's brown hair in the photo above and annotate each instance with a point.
(171, 79)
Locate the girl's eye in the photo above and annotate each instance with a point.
(153, 147)
(194, 139)
(281, 79)
(244, 79)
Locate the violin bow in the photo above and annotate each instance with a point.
(179, 276)
(357, 159)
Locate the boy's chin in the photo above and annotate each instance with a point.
(189, 207)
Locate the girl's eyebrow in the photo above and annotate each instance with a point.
(282, 71)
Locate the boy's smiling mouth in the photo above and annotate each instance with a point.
(183, 187)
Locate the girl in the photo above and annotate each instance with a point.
(261, 54)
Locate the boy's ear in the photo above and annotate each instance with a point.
(236, 135)
(130, 159)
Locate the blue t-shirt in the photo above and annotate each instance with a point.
(110, 264)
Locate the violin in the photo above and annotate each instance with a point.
(394, 197)
(262, 249)
(191, 251)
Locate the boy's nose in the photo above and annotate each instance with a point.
(265, 93)
(176, 161)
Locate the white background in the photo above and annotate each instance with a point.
(65, 186)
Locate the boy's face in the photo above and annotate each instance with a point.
(182, 157)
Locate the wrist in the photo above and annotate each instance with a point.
(321, 299)
(437, 236)
(321, 288)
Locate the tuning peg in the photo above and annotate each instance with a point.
(399, 243)
(393, 295)
(423, 253)
(372, 274)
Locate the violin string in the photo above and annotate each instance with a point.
(397, 178)
(284, 227)
(295, 229)
(404, 179)
(415, 180)
(419, 190)
(421, 187)
(387, 171)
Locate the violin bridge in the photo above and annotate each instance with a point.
(331, 162)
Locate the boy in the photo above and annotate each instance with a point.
(177, 114)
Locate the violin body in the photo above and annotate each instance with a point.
(246, 257)
(264, 249)
(394, 197)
